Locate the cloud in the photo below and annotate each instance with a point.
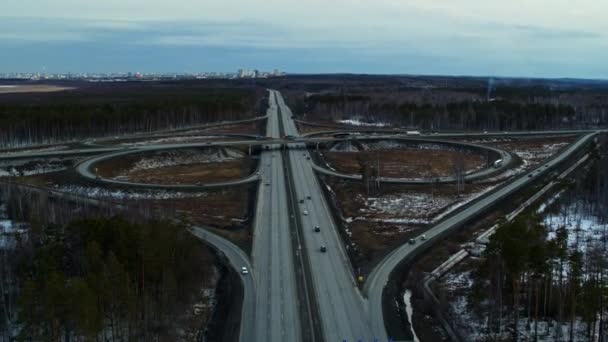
(510, 36)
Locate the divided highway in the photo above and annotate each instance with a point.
(277, 302)
(277, 305)
(341, 307)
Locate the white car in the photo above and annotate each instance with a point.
(305, 212)
(244, 270)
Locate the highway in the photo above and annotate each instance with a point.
(380, 274)
(275, 307)
(277, 311)
(341, 307)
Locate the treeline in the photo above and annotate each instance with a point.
(465, 114)
(83, 114)
(107, 279)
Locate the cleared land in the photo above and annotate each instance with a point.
(375, 223)
(179, 167)
(405, 162)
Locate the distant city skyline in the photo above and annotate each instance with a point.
(519, 38)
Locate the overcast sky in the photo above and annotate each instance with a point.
(557, 38)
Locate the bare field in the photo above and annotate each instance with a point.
(179, 166)
(247, 128)
(188, 174)
(404, 163)
(378, 222)
(532, 150)
(32, 88)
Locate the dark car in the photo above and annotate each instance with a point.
(323, 248)
(317, 229)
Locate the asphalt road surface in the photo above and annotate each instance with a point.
(237, 259)
(341, 307)
(277, 303)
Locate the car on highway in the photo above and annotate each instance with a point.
(305, 212)
(302, 201)
(267, 183)
(317, 229)
(323, 249)
(412, 241)
(423, 237)
(244, 270)
(308, 197)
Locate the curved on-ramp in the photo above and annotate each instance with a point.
(84, 169)
(474, 176)
(237, 259)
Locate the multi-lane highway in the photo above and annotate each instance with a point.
(277, 302)
(301, 285)
(341, 307)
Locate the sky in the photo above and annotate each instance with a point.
(528, 38)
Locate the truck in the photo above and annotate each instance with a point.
(412, 133)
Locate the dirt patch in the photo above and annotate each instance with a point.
(208, 165)
(405, 163)
(190, 174)
(377, 222)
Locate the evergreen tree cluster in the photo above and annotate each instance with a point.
(524, 274)
(109, 279)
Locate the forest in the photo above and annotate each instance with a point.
(102, 110)
(105, 278)
(550, 266)
(452, 103)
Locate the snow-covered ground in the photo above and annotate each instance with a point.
(99, 192)
(584, 229)
(537, 155)
(473, 327)
(171, 140)
(358, 121)
(181, 158)
(36, 150)
(18, 168)
(409, 310)
(9, 230)
(412, 207)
